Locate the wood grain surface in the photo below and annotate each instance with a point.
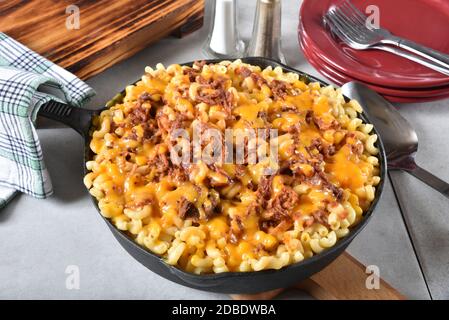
(343, 279)
(110, 31)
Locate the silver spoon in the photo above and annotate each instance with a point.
(398, 136)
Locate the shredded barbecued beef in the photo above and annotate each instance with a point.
(187, 210)
(283, 226)
(161, 162)
(144, 97)
(115, 125)
(167, 125)
(228, 102)
(281, 205)
(178, 174)
(251, 186)
(221, 171)
(233, 238)
(162, 121)
(298, 158)
(266, 225)
(193, 72)
(240, 170)
(199, 64)
(318, 177)
(258, 79)
(218, 96)
(243, 71)
(288, 108)
(323, 125)
(284, 167)
(278, 215)
(206, 99)
(357, 148)
(151, 131)
(237, 228)
(320, 217)
(138, 115)
(264, 190)
(262, 115)
(295, 131)
(326, 149)
(211, 208)
(279, 89)
(324, 180)
(309, 116)
(132, 135)
(178, 123)
(337, 192)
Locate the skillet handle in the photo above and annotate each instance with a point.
(76, 118)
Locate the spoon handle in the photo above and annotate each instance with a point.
(431, 180)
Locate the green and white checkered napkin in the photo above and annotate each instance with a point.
(26, 78)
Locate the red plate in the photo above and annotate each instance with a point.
(414, 93)
(341, 79)
(425, 22)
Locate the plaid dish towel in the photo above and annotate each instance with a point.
(27, 81)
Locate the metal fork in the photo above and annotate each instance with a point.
(349, 24)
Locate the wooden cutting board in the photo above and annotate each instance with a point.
(109, 31)
(343, 279)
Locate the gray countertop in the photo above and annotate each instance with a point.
(43, 240)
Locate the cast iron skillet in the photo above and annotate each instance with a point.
(231, 282)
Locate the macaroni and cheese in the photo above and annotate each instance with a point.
(220, 217)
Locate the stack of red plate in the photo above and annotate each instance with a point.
(398, 79)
